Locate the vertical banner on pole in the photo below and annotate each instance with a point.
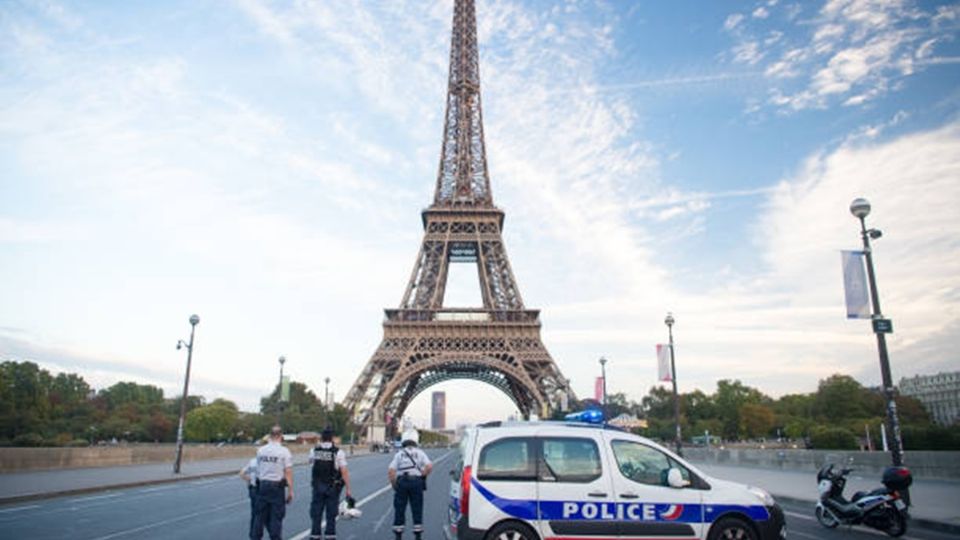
(598, 390)
(855, 285)
(285, 389)
(663, 363)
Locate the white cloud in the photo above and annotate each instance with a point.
(851, 54)
(760, 13)
(732, 21)
(748, 52)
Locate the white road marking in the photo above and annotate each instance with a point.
(97, 497)
(17, 509)
(805, 535)
(858, 529)
(171, 520)
(379, 523)
(365, 500)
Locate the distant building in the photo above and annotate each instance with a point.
(628, 421)
(939, 394)
(438, 410)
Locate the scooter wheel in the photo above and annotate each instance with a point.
(898, 523)
(826, 518)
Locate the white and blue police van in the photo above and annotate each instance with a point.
(588, 480)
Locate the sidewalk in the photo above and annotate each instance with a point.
(934, 502)
(42, 484)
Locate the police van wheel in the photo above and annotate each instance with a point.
(512, 530)
(732, 529)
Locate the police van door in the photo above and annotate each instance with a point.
(650, 506)
(573, 483)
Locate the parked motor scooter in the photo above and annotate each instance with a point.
(883, 508)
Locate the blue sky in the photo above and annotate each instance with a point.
(263, 164)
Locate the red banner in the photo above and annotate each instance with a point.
(598, 390)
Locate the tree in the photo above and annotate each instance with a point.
(833, 438)
(697, 406)
(214, 422)
(841, 397)
(729, 398)
(755, 420)
(130, 392)
(658, 403)
(304, 411)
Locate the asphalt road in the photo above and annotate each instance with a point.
(219, 508)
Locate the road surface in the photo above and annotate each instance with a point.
(219, 508)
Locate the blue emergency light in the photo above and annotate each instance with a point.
(589, 416)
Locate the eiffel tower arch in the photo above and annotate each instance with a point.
(425, 342)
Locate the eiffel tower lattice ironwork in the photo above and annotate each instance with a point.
(425, 343)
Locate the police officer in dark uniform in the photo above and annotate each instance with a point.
(328, 474)
(408, 474)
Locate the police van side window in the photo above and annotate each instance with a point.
(568, 459)
(644, 464)
(508, 459)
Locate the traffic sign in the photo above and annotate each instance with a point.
(882, 326)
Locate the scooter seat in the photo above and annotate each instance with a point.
(861, 494)
(844, 509)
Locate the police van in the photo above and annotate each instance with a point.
(572, 480)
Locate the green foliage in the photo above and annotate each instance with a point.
(839, 398)
(755, 420)
(40, 409)
(729, 398)
(931, 437)
(214, 422)
(29, 439)
(833, 438)
(428, 437)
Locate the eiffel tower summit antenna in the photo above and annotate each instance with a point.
(425, 342)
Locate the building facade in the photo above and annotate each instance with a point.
(939, 394)
(438, 410)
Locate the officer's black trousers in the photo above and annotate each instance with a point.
(325, 501)
(271, 507)
(253, 507)
(409, 489)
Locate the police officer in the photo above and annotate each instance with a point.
(328, 468)
(274, 473)
(249, 475)
(408, 474)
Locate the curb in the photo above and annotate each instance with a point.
(924, 523)
(95, 489)
(127, 485)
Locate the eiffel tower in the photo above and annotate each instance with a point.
(424, 342)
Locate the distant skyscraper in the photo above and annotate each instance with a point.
(438, 410)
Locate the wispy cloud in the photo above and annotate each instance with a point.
(850, 52)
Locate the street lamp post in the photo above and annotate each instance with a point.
(194, 320)
(860, 208)
(326, 392)
(282, 360)
(603, 373)
(673, 378)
